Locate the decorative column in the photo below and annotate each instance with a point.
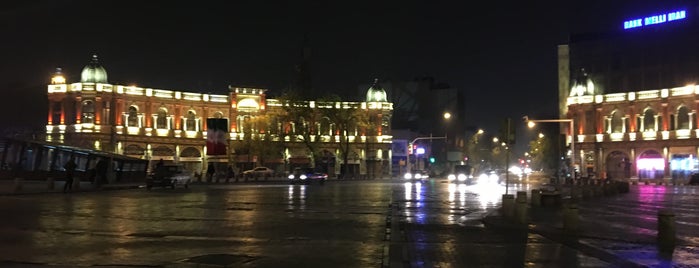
(78, 110)
(98, 110)
(50, 117)
(666, 117)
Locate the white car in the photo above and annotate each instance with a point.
(169, 176)
(258, 172)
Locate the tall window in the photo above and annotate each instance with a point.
(88, 112)
(191, 121)
(617, 122)
(161, 118)
(325, 126)
(683, 117)
(649, 120)
(132, 117)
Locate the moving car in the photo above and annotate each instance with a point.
(461, 174)
(416, 175)
(307, 175)
(259, 172)
(169, 176)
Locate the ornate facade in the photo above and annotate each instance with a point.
(649, 135)
(171, 125)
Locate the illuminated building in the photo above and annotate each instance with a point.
(155, 124)
(631, 91)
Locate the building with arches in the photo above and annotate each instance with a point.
(155, 124)
(631, 90)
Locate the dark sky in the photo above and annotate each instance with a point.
(502, 55)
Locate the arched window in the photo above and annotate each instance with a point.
(161, 118)
(649, 120)
(88, 112)
(218, 115)
(683, 117)
(617, 122)
(132, 117)
(325, 126)
(191, 121)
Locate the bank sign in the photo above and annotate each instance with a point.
(655, 19)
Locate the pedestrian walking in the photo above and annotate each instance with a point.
(70, 172)
(210, 172)
(230, 173)
(101, 170)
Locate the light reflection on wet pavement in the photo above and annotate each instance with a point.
(340, 224)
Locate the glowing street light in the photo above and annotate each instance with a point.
(531, 123)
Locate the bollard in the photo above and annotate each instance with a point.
(508, 206)
(50, 183)
(521, 195)
(536, 198)
(18, 185)
(521, 211)
(570, 218)
(666, 231)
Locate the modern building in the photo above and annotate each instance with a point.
(632, 93)
(154, 124)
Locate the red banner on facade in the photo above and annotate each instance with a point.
(216, 136)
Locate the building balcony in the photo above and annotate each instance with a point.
(679, 134)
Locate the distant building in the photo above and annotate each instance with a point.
(155, 124)
(419, 107)
(632, 93)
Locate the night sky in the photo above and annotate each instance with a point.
(502, 55)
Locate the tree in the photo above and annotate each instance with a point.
(304, 121)
(542, 152)
(349, 121)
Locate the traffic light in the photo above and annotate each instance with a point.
(432, 159)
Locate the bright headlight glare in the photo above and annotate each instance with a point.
(408, 176)
(462, 177)
(451, 177)
(303, 177)
(291, 177)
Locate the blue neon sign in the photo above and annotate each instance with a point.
(655, 19)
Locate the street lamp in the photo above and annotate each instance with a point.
(532, 122)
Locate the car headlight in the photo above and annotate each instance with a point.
(291, 177)
(303, 177)
(408, 176)
(462, 177)
(451, 177)
(418, 176)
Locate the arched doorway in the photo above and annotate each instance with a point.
(618, 165)
(650, 165)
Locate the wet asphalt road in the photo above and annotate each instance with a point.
(339, 224)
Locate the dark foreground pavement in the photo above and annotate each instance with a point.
(620, 229)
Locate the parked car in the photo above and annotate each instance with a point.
(307, 175)
(169, 176)
(416, 175)
(259, 172)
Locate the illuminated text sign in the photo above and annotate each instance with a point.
(655, 19)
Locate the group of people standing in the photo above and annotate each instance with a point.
(98, 174)
(211, 171)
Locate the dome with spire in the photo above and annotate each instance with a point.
(375, 93)
(582, 85)
(93, 72)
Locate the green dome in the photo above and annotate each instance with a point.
(93, 72)
(375, 93)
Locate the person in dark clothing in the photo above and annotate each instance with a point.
(210, 172)
(101, 170)
(70, 172)
(230, 173)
